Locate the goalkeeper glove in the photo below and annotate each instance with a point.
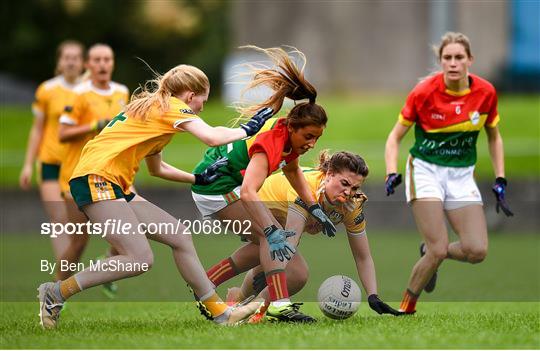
(328, 228)
(210, 174)
(499, 189)
(391, 182)
(256, 122)
(277, 241)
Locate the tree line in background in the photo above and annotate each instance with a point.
(163, 33)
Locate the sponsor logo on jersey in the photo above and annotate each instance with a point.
(335, 216)
(437, 116)
(458, 109)
(68, 108)
(300, 203)
(475, 117)
(359, 219)
(187, 111)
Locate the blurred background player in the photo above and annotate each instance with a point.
(335, 184)
(449, 109)
(278, 145)
(51, 98)
(100, 186)
(98, 99)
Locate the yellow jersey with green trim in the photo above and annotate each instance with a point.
(90, 105)
(51, 97)
(115, 154)
(278, 195)
(448, 122)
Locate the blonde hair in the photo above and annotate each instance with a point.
(159, 90)
(452, 38)
(60, 50)
(287, 80)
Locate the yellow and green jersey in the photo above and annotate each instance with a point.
(447, 122)
(115, 154)
(90, 105)
(52, 96)
(278, 194)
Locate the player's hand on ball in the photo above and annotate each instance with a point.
(211, 174)
(380, 307)
(499, 189)
(256, 122)
(328, 228)
(391, 182)
(277, 241)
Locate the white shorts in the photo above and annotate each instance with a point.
(454, 186)
(210, 204)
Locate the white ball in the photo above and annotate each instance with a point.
(339, 297)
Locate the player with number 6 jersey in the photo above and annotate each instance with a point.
(448, 110)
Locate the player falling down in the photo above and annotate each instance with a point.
(100, 185)
(278, 145)
(335, 184)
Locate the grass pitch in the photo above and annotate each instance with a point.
(493, 305)
(177, 325)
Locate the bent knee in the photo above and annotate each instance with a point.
(437, 253)
(475, 255)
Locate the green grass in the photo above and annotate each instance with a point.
(358, 124)
(493, 305)
(177, 326)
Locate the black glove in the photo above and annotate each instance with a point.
(499, 189)
(391, 182)
(210, 174)
(328, 228)
(377, 305)
(257, 121)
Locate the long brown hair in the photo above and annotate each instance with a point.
(60, 50)
(287, 80)
(342, 161)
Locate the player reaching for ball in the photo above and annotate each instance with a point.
(278, 145)
(335, 184)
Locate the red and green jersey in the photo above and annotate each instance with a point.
(271, 140)
(447, 122)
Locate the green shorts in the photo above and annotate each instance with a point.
(93, 188)
(48, 171)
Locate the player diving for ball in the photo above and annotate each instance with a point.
(335, 184)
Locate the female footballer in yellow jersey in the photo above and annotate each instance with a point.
(97, 101)
(43, 144)
(335, 184)
(100, 185)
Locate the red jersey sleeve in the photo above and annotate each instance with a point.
(493, 115)
(408, 113)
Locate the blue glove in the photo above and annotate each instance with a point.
(210, 174)
(499, 189)
(277, 240)
(328, 228)
(391, 182)
(257, 121)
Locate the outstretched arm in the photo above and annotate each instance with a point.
(215, 136)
